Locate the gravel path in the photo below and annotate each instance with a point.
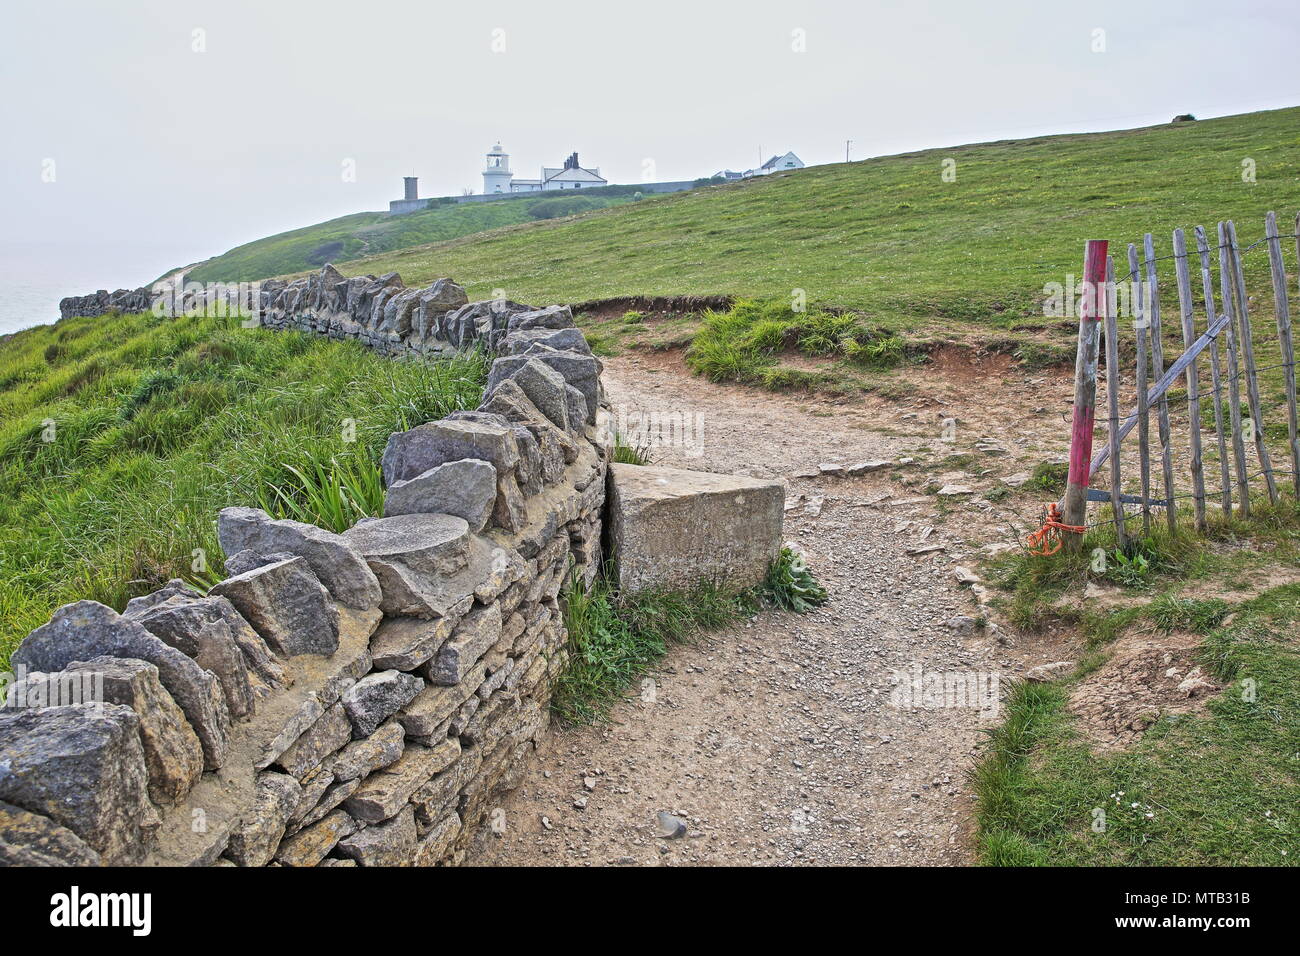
(776, 740)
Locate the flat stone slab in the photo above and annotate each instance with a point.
(673, 529)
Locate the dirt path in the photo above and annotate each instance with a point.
(777, 740)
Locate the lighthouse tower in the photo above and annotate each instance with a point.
(497, 175)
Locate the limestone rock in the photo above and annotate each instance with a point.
(948, 491)
(86, 630)
(506, 568)
(83, 767)
(405, 643)
(331, 732)
(255, 841)
(173, 588)
(551, 317)
(376, 697)
(287, 605)
(431, 709)
(544, 387)
(383, 794)
(387, 844)
(443, 296)
(312, 844)
(577, 369)
(465, 488)
(262, 666)
(173, 755)
(1044, 673)
(478, 631)
(363, 757)
(343, 572)
(411, 453)
(673, 529)
(199, 630)
(572, 340)
(29, 839)
(415, 558)
(437, 843)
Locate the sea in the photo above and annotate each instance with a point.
(34, 276)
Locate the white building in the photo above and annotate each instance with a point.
(774, 165)
(497, 177)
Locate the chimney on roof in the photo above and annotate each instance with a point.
(572, 161)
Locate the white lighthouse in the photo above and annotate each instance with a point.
(497, 175)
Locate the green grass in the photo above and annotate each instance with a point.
(373, 233)
(745, 343)
(889, 238)
(625, 454)
(615, 639)
(1220, 788)
(1151, 569)
(155, 424)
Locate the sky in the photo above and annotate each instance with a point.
(140, 135)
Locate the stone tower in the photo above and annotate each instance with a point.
(497, 175)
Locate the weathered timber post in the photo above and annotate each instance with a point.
(1085, 388)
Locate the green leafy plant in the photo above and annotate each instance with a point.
(790, 585)
(1129, 570)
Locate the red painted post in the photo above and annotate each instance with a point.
(1091, 313)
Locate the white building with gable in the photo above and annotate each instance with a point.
(497, 177)
(776, 164)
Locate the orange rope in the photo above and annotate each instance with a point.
(1047, 539)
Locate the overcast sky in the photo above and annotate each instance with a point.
(186, 127)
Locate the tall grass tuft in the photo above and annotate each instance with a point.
(116, 456)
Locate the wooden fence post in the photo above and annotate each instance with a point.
(1248, 356)
(1234, 375)
(1158, 368)
(1140, 325)
(1207, 289)
(1278, 271)
(1085, 388)
(1185, 306)
(1112, 404)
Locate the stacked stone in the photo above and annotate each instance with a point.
(339, 699)
(97, 303)
(383, 314)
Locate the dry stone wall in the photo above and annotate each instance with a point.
(339, 699)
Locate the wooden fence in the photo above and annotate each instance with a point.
(1216, 332)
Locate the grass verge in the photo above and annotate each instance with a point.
(1213, 788)
(1217, 789)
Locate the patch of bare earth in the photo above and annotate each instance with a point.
(1145, 678)
(777, 739)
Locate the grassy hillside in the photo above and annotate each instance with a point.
(122, 436)
(889, 236)
(371, 233)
